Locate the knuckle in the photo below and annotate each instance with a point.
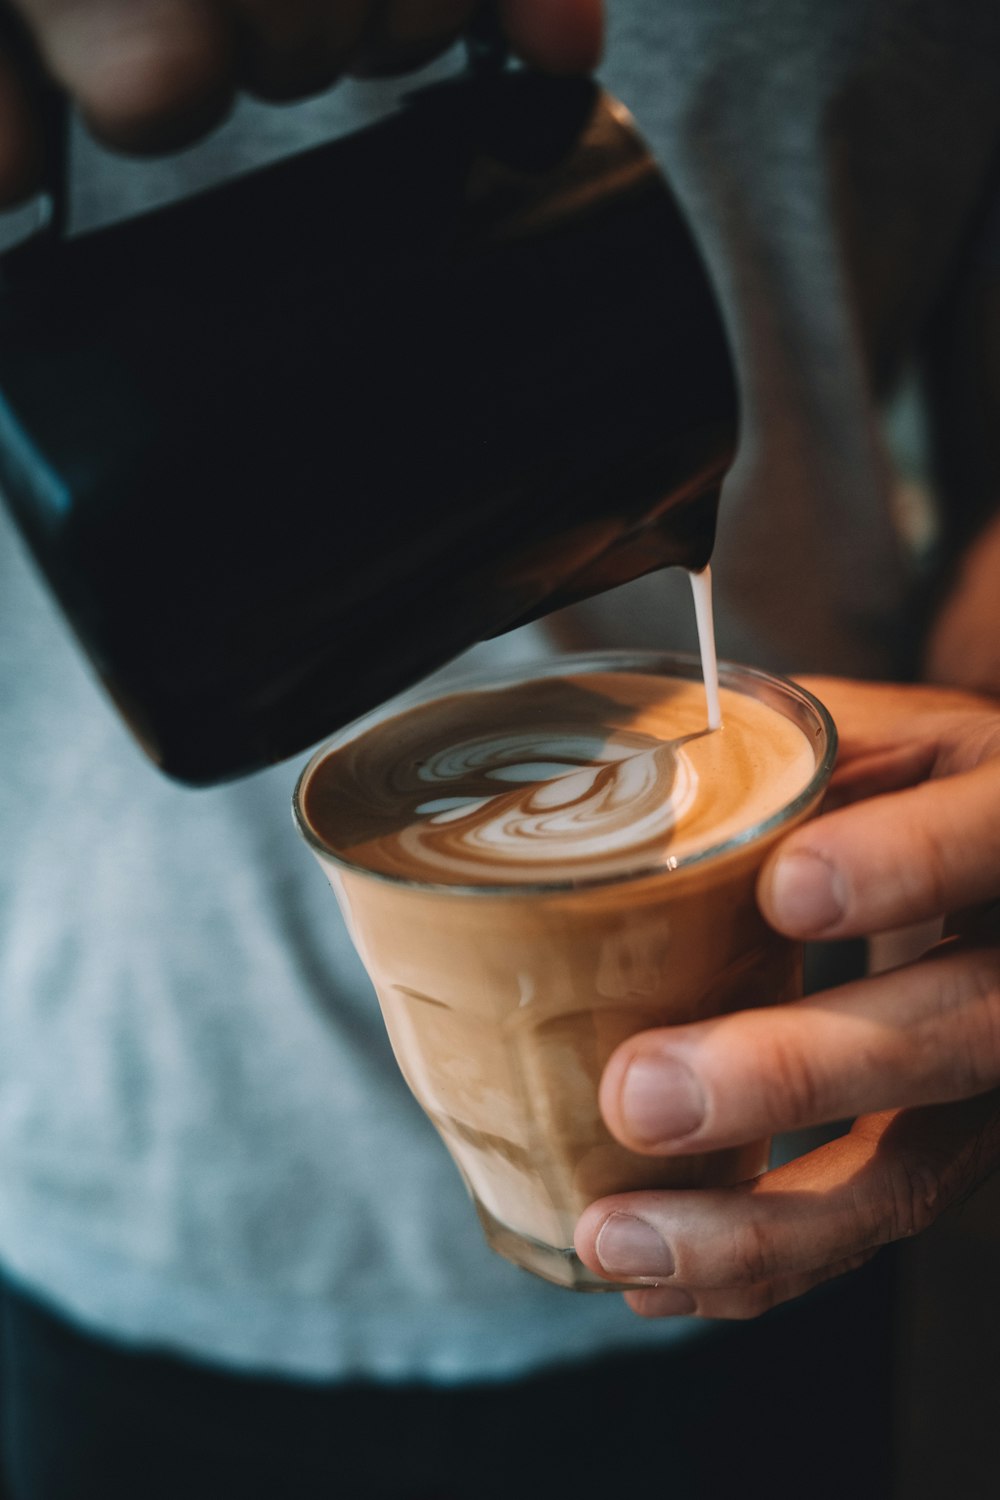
(743, 1304)
(794, 1092)
(984, 1053)
(926, 874)
(965, 1025)
(914, 1197)
(851, 1264)
(751, 1255)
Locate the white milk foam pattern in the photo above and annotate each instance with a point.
(556, 779)
(575, 798)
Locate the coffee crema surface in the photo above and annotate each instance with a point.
(555, 780)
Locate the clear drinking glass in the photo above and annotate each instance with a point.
(504, 1003)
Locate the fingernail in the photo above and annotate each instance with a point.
(807, 893)
(661, 1100)
(630, 1247)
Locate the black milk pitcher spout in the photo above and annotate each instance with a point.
(288, 446)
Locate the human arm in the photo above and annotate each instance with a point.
(912, 1056)
(154, 74)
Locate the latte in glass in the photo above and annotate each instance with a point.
(533, 870)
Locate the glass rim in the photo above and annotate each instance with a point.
(663, 663)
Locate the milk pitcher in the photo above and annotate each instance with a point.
(284, 448)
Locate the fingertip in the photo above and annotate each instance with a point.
(148, 75)
(557, 36)
(651, 1098)
(802, 893)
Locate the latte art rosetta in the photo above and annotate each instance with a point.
(556, 779)
(573, 799)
